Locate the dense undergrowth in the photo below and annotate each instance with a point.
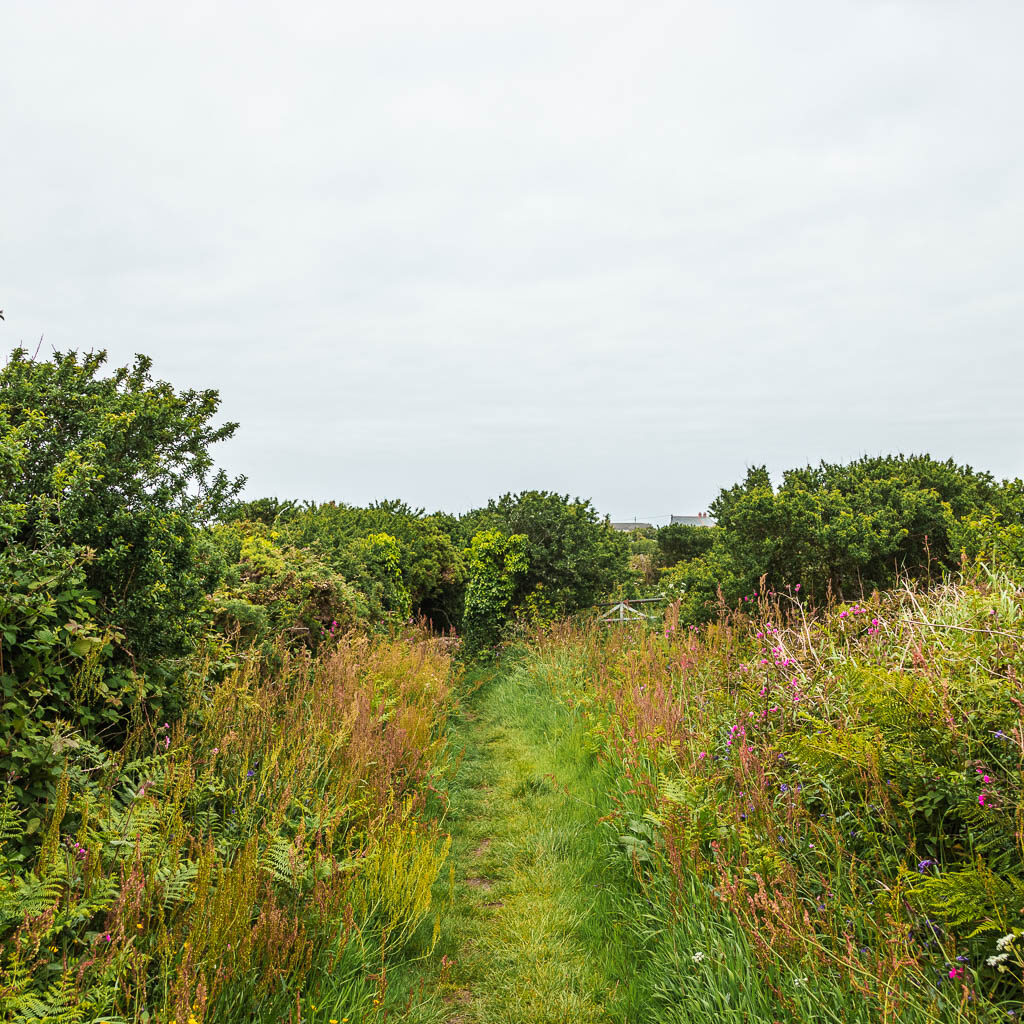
(265, 857)
(821, 816)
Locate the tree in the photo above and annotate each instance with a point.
(679, 542)
(571, 553)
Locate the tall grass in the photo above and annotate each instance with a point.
(262, 859)
(820, 817)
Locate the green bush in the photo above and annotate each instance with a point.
(990, 539)
(106, 483)
(680, 542)
(840, 531)
(430, 569)
(570, 551)
(273, 592)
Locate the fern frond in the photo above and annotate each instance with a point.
(177, 883)
(58, 1004)
(975, 897)
(277, 859)
(10, 824)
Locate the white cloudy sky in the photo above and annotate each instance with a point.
(444, 250)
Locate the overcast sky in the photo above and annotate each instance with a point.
(443, 250)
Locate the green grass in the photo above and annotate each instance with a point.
(523, 939)
(547, 921)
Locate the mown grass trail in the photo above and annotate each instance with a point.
(522, 944)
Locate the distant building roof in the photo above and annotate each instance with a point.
(702, 520)
(630, 527)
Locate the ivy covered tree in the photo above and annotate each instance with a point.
(498, 564)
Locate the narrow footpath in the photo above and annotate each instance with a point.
(519, 946)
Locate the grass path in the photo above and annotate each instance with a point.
(520, 945)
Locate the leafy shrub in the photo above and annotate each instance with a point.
(681, 542)
(993, 540)
(106, 482)
(844, 530)
(378, 558)
(569, 549)
(120, 464)
(429, 561)
(272, 591)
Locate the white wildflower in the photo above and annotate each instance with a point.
(698, 956)
(993, 961)
(1005, 940)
